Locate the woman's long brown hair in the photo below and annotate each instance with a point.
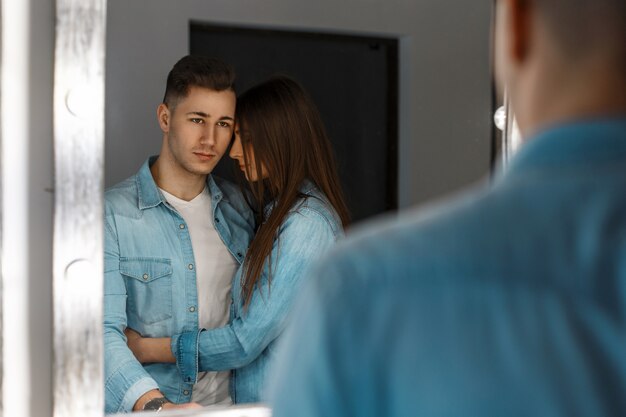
(280, 123)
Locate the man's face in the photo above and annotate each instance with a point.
(199, 129)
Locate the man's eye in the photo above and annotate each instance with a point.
(197, 120)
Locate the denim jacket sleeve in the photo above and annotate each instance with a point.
(304, 236)
(125, 378)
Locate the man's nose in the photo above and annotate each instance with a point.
(208, 136)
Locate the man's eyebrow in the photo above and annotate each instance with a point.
(205, 115)
(197, 113)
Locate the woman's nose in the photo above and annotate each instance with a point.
(236, 149)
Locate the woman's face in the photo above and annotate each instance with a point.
(236, 152)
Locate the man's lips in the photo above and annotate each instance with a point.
(205, 156)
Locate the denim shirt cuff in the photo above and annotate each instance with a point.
(185, 349)
(135, 392)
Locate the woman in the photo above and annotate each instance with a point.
(282, 148)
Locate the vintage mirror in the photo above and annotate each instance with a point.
(96, 38)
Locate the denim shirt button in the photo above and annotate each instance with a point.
(186, 392)
(192, 309)
(146, 276)
(182, 225)
(217, 220)
(190, 266)
(239, 254)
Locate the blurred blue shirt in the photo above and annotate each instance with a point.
(507, 301)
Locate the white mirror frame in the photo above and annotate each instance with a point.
(504, 119)
(511, 137)
(78, 208)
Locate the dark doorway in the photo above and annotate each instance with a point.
(352, 79)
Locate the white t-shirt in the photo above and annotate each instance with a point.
(215, 267)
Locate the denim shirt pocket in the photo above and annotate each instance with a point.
(149, 286)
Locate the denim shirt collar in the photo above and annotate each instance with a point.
(570, 145)
(150, 196)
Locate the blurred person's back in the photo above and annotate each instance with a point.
(508, 300)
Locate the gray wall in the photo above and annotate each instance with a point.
(445, 100)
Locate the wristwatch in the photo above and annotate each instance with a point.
(155, 404)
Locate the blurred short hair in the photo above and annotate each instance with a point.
(582, 25)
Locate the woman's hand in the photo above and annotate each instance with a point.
(155, 393)
(134, 342)
(149, 349)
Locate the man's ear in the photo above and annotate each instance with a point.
(164, 117)
(520, 17)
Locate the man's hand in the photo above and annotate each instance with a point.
(149, 349)
(155, 393)
(184, 406)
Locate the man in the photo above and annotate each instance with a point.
(508, 301)
(174, 237)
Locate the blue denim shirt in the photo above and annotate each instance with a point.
(248, 344)
(507, 301)
(150, 279)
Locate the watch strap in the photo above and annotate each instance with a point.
(155, 404)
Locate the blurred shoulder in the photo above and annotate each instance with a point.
(421, 245)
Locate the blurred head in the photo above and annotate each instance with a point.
(280, 141)
(561, 59)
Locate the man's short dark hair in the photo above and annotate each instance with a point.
(197, 71)
(581, 25)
